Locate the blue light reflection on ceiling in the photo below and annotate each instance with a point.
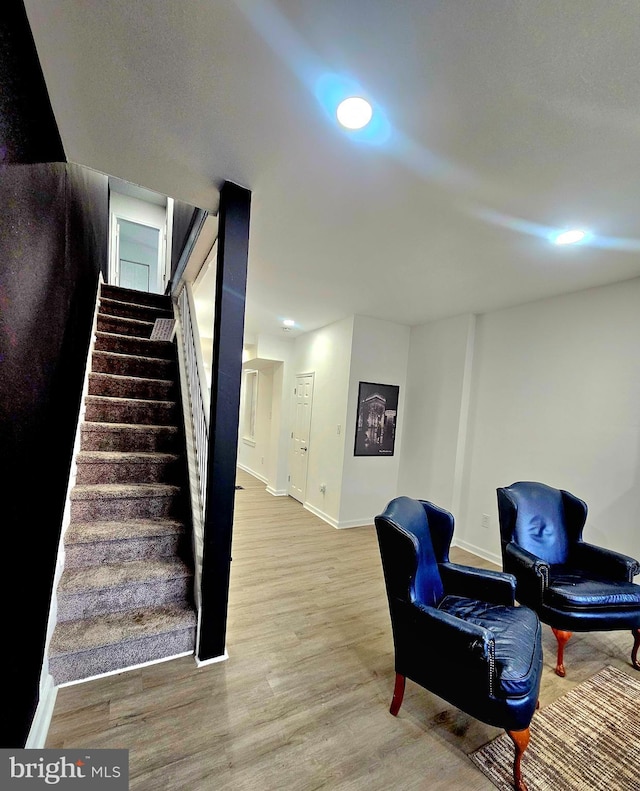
(330, 89)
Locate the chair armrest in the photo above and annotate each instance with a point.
(455, 633)
(473, 583)
(454, 642)
(604, 562)
(531, 573)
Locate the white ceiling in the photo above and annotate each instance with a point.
(505, 118)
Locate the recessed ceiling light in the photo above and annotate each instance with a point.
(570, 237)
(354, 112)
(289, 323)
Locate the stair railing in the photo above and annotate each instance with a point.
(197, 384)
(196, 375)
(195, 400)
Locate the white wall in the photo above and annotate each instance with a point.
(326, 353)
(556, 398)
(379, 353)
(436, 409)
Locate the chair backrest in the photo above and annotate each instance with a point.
(408, 558)
(532, 515)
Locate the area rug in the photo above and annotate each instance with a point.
(587, 740)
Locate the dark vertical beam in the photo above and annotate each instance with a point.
(228, 330)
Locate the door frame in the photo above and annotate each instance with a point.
(163, 247)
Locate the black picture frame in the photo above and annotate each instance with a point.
(376, 419)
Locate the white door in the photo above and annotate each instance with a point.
(139, 262)
(299, 456)
(138, 242)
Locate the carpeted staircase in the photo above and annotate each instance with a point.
(125, 595)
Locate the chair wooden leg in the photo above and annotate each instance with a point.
(520, 740)
(398, 694)
(562, 637)
(636, 645)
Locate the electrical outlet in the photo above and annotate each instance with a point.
(486, 521)
(323, 488)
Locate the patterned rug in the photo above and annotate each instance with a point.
(587, 740)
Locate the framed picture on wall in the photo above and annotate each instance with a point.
(376, 419)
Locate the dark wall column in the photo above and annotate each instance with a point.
(233, 249)
(53, 222)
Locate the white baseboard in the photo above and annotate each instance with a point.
(37, 737)
(364, 522)
(481, 553)
(125, 669)
(277, 492)
(214, 661)
(321, 514)
(255, 474)
(355, 523)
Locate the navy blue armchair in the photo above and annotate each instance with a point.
(456, 631)
(572, 585)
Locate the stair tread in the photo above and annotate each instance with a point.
(94, 425)
(102, 530)
(161, 312)
(91, 633)
(127, 378)
(115, 491)
(120, 355)
(132, 338)
(146, 402)
(116, 575)
(140, 322)
(122, 457)
(134, 292)
(157, 349)
(104, 298)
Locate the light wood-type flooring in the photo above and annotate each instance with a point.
(302, 703)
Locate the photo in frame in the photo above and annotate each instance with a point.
(376, 419)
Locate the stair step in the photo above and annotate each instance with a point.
(116, 386)
(129, 365)
(94, 543)
(124, 326)
(113, 307)
(129, 344)
(121, 467)
(114, 501)
(137, 297)
(129, 437)
(84, 648)
(106, 409)
(97, 590)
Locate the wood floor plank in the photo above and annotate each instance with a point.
(303, 701)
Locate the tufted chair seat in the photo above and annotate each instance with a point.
(571, 590)
(514, 631)
(572, 585)
(456, 631)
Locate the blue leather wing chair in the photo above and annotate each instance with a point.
(572, 585)
(456, 630)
